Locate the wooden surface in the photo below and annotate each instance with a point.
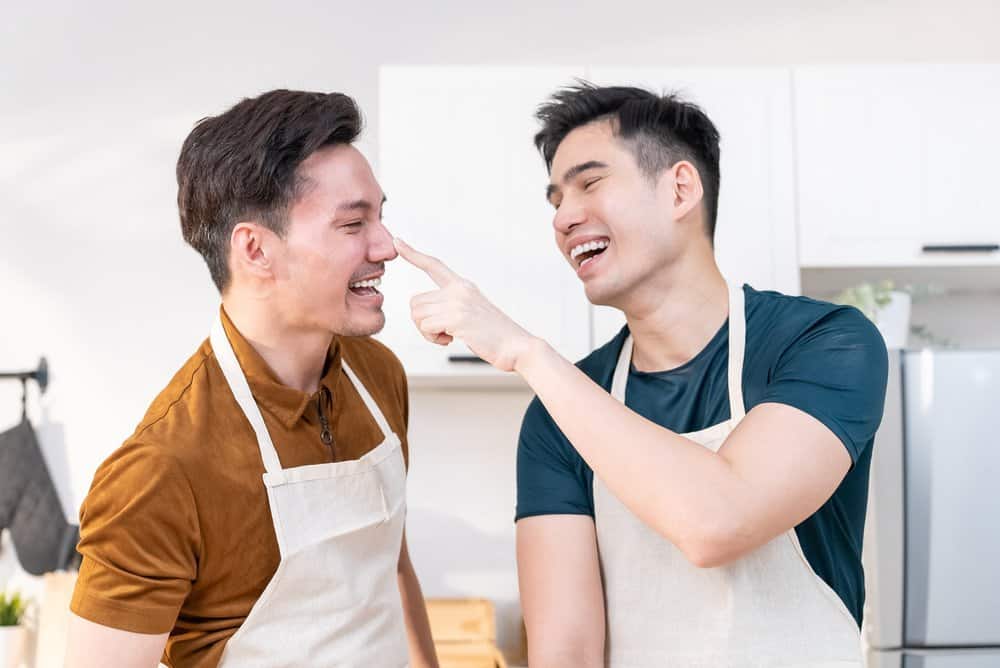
(464, 633)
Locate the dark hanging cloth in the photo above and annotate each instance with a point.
(30, 508)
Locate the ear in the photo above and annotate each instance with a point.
(687, 190)
(251, 250)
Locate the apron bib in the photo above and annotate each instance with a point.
(767, 609)
(334, 599)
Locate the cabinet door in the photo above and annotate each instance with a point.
(755, 236)
(962, 140)
(895, 159)
(465, 183)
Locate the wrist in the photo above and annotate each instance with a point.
(530, 351)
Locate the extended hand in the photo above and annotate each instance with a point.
(458, 310)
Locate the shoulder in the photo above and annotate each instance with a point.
(181, 415)
(372, 359)
(827, 360)
(792, 322)
(771, 305)
(382, 374)
(156, 458)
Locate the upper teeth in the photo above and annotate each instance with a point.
(589, 246)
(370, 283)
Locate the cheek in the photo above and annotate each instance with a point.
(328, 258)
(622, 218)
(618, 204)
(304, 264)
(640, 232)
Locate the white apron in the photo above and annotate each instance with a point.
(767, 609)
(334, 600)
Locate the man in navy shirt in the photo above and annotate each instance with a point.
(693, 492)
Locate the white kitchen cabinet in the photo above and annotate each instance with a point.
(896, 165)
(755, 236)
(465, 183)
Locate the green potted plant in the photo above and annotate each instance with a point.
(13, 635)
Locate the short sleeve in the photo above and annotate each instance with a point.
(836, 371)
(140, 541)
(552, 478)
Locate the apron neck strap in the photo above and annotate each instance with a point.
(244, 397)
(619, 381)
(737, 347)
(373, 408)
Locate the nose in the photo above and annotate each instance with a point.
(380, 246)
(569, 214)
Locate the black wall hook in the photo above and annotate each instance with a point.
(39, 375)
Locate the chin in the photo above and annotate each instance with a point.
(598, 296)
(366, 325)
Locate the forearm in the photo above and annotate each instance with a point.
(682, 490)
(418, 628)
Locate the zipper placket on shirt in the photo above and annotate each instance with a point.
(325, 434)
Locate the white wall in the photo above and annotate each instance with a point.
(460, 526)
(95, 99)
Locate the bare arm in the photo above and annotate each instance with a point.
(776, 469)
(561, 595)
(92, 645)
(418, 627)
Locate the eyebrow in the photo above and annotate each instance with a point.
(358, 205)
(572, 173)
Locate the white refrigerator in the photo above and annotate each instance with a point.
(932, 539)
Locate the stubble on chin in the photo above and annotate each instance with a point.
(356, 328)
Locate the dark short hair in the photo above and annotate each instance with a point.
(241, 165)
(660, 130)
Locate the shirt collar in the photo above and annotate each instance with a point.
(286, 403)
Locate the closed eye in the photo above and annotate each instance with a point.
(353, 227)
(586, 185)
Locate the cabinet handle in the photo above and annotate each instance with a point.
(473, 359)
(961, 248)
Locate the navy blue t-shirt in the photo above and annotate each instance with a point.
(826, 360)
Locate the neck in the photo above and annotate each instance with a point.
(674, 315)
(296, 355)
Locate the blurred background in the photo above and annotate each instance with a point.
(858, 140)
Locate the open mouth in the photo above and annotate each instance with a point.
(585, 252)
(366, 288)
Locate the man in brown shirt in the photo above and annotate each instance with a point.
(179, 531)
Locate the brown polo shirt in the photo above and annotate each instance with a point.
(175, 531)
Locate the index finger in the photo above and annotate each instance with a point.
(433, 267)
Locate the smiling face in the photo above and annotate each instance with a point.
(327, 267)
(615, 225)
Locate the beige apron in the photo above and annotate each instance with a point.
(767, 609)
(334, 600)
